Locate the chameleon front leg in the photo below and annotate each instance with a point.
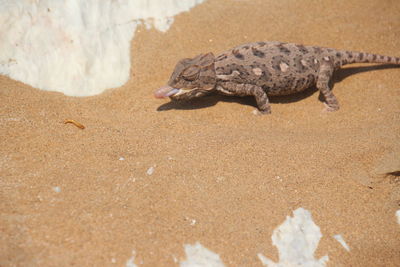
(244, 89)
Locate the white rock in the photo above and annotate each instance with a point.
(77, 47)
(199, 256)
(296, 239)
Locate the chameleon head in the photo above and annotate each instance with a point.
(192, 77)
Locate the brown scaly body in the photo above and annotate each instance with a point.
(262, 69)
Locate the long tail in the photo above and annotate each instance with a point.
(349, 57)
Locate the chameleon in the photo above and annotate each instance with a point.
(263, 69)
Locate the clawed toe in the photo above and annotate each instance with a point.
(330, 108)
(261, 112)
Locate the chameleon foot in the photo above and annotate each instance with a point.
(261, 112)
(330, 108)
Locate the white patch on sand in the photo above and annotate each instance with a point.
(57, 189)
(150, 171)
(398, 216)
(296, 239)
(199, 256)
(131, 261)
(340, 239)
(79, 48)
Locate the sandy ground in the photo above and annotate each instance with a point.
(236, 174)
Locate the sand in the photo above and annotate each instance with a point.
(221, 176)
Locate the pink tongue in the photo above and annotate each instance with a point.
(165, 91)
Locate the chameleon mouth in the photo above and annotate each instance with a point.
(168, 91)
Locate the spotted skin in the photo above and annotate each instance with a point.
(266, 69)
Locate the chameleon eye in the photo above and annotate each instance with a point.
(191, 73)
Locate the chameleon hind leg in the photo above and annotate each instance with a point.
(324, 76)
